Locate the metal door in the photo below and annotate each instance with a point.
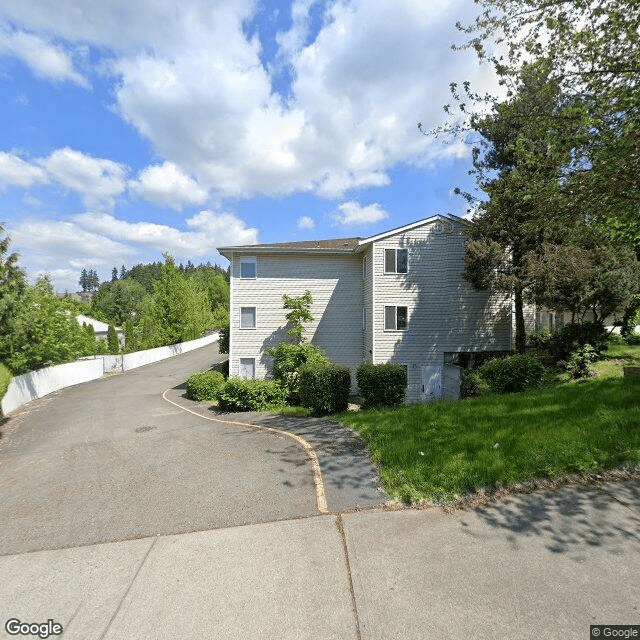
(431, 383)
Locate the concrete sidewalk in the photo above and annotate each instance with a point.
(545, 565)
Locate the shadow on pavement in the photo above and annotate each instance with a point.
(570, 519)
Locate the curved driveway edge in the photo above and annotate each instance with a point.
(349, 478)
(321, 502)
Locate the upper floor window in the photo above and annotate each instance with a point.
(247, 317)
(364, 268)
(395, 260)
(395, 318)
(248, 268)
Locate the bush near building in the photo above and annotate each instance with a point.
(382, 385)
(512, 374)
(205, 386)
(240, 394)
(325, 388)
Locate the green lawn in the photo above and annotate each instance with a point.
(447, 449)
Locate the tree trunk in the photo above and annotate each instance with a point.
(521, 338)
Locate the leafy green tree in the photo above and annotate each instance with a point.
(117, 301)
(214, 283)
(13, 282)
(89, 347)
(520, 168)
(177, 311)
(298, 315)
(585, 275)
(145, 275)
(595, 49)
(45, 331)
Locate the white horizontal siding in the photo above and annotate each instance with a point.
(335, 283)
(444, 312)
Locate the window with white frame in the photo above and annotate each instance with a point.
(364, 268)
(395, 318)
(248, 268)
(247, 317)
(396, 260)
(248, 368)
(364, 318)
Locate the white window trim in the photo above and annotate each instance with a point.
(364, 268)
(255, 319)
(254, 261)
(395, 271)
(396, 307)
(364, 318)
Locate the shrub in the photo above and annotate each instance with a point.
(5, 379)
(580, 360)
(513, 373)
(539, 340)
(473, 385)
(288, 359)
(632, 339)
(382, 385)
(631, 316)
(616, 338)
(325, 388)
(205, 385)
(573, 336)
(112, 340)
(223, 342)
(240, 394)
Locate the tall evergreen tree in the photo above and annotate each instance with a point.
(84, 280)
(114, 274)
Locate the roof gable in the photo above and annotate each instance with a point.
(409, 227)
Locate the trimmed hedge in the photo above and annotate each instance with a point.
(511, 374)
(240, 394)
(325, 388)
(382, 385)
(205, 385)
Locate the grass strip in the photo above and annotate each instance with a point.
(447, 449)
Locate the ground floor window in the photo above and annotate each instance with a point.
(248, 368)
(395, 318)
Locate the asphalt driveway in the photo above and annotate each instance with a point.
(112, 460)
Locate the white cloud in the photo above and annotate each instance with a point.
(97, 180)
(167, 184)
(352, 214)
(209, 230)
(305, 222)
(190, 81)
(100, 241)
(45, 59)
(17, 172)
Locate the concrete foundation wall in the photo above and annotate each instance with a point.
(35, 384)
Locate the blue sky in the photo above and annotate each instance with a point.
(132, 128)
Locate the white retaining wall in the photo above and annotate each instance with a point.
(35, 384)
